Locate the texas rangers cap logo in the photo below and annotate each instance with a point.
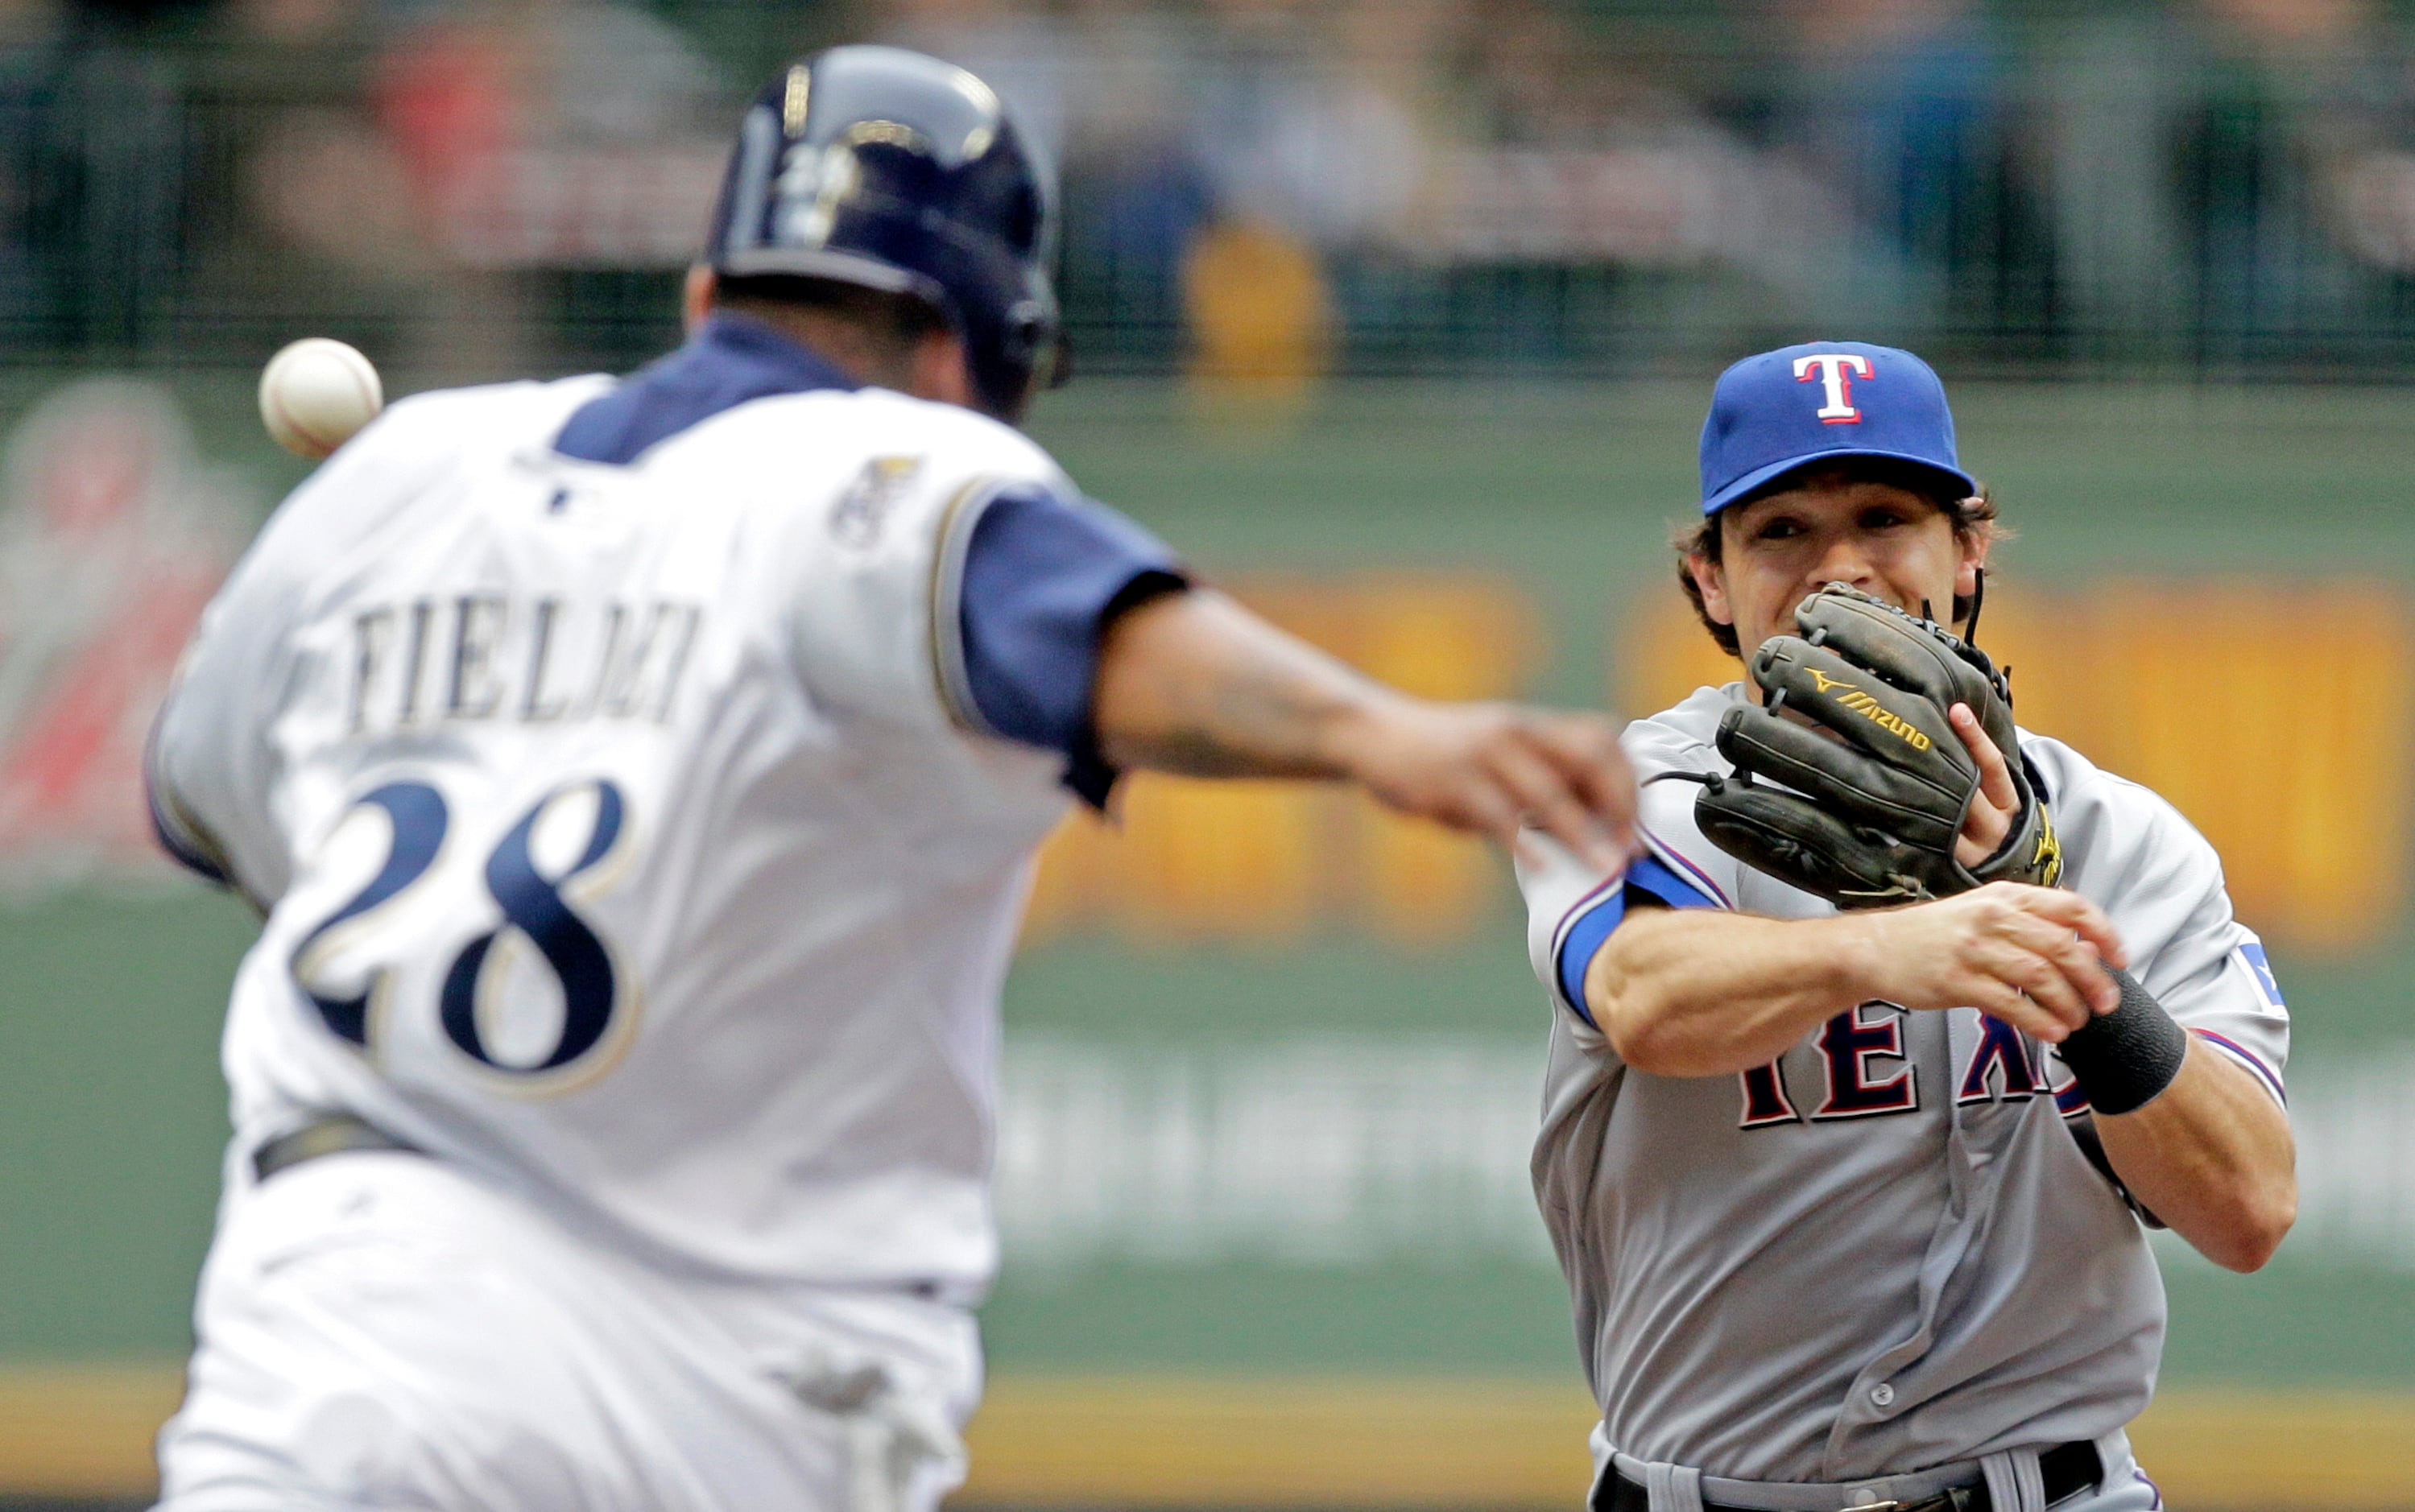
(1832, 370)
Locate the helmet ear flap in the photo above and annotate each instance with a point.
(1013, 362)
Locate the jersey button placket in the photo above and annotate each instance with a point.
(1883, 1395)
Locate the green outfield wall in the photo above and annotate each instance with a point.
(1304, 1151)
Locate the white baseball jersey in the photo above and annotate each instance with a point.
(632, 832)
(1883, 1250)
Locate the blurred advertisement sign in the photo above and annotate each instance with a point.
(112, 537)
(1362, 1151)
(1342, 1151)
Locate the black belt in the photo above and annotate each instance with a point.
(2067, 1469)
(336, 1134)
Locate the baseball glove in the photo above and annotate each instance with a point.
(1876, 784)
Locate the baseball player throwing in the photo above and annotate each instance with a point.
(1866, 1072)
(639, 781)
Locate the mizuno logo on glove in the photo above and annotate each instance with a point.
(1869, 708)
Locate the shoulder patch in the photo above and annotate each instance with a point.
(2260, 968)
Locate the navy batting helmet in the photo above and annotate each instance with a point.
(887, 169)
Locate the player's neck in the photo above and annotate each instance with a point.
(865, 356)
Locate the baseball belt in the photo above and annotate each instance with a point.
(335, 1133)
(2066, 1469)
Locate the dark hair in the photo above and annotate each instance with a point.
(1970, 515)
(896, 321)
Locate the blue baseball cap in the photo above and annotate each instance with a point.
(1782, 409)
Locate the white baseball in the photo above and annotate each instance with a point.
(316, 393)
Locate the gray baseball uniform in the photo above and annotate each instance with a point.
(1882, 1252)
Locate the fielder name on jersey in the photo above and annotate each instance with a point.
(1731, 1239)
(668, 766)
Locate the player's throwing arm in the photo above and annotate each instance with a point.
(1196, 685)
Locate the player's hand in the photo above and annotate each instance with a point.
(1194, 684)
(2027, 955)
(1996, 804)
(1496, 768)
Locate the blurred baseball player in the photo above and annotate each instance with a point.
(1830, 1239)
(641, 781)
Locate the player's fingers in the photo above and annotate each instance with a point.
(2074, 913)
(1476, 803)
(1543, 795)
(1989, 816)
(1995, 776)
(2079, 966)
(2001, 1000)
(1586, 752)
(2046, 924)
(2068, 957)
(2038, 976)
(2017, 956)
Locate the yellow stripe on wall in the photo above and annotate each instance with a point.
(1153, 1441)
(1324, 1443)
(83, 1430)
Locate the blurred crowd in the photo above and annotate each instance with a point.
(1259, 187)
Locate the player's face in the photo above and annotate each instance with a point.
(1776, 550)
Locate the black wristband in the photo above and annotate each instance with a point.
(2125, 1058)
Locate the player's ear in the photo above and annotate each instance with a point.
(696, 296)
(1711, 580)
(940, 371)
(1971, 550)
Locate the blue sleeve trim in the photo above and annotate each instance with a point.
(1649, 878)
(1043, 577)
(2253, 1063)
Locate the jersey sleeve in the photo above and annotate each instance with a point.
(1044, 575)
(2160, 881)
(1572, 910)
(971, 595)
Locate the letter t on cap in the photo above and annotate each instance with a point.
(1837, 387)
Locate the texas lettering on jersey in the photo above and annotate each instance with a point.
(2002, 1068)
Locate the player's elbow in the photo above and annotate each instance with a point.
(1642, 1041)
(1652, 1019)
(1621, 994)
(1633, 1018)
(2257, 1219)
(1649, 1034)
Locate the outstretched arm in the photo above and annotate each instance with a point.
(1191, 683)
